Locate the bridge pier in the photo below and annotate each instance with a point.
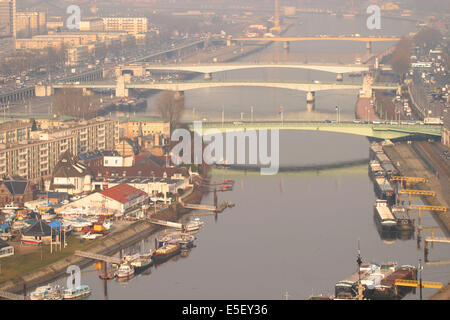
(286, 45)
(340, 77)
(310, 97)
(310, 106)
(208, 76)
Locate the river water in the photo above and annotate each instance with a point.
(294, 232)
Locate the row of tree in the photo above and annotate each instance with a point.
(425, 40)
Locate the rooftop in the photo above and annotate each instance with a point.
(123, 193)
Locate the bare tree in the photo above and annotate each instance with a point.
(401, 59)
(170, 106)
(73, 103)
(427, 38)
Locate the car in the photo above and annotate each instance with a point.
(327, 121)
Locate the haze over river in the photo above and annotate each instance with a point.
(296, 231)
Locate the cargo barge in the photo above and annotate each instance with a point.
(384, 190)
(378, 282)
(166, 251)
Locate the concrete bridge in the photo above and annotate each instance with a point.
(45, 90)
(208, 69)
(380, 131)
(122, 87)
(287, 40)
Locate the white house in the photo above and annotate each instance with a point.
(71, 176)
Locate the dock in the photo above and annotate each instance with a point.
(441, 240)
(95, 256)
(165, 223)
(11, 296)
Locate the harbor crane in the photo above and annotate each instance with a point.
(411, 192)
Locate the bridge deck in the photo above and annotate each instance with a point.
(96, 256)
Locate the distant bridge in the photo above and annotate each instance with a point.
(192, 85)
(380, 131)
(291, 39)
(213, 68)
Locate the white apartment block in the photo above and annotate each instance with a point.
(133, 25)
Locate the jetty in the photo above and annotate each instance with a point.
(165, 223)
(96, 256)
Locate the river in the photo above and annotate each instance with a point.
(294, 232)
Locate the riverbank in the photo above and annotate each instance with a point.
(410, 164)
(107, 245)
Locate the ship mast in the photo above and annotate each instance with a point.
(360, 287)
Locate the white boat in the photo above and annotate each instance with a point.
(77, 292)
(89, 236)
(193, 225)
(46, 292)
(125, 271)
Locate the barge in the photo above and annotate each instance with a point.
(166, 251)
(384, 216)
(384, 190)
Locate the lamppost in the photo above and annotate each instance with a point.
(337, 115)
(251, 111)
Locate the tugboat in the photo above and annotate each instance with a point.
(166, 251)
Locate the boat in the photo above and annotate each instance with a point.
(140, 262)
(166, 251)
(77, 292)
(193, 225)
(125, 271)
(404, 221)
(34, 242)
(89, 236)
(384, 190)
(185, 240)
(347, 288)
(107, 276)
(47, 292)
(384, 215)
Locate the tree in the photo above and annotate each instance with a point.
(401, 59)
(427, 38)
(170, 106)
(73, 103)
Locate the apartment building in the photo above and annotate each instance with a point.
(15, 131)
(35, 158)
(29, 23)
(93, 24)
(133, 25)
(92, 135)
(8, 18)
(133, 127)
(76, 55)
